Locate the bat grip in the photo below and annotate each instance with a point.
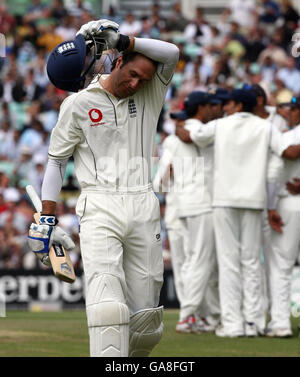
(36, 201)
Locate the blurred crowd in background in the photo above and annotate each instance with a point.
(252, 41)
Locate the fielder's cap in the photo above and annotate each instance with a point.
(195, 98)
(246, 96)
(294, 103)
(221, 95)
(181, 115)
(66, 64)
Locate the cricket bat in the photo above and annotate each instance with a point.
(60, 260)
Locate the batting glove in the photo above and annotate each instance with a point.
(43, 235)
(104, 29)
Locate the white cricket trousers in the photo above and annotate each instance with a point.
(266, 246)
(120, 235)
(238, 239)
(120, 238)
(199, 261)
(282, 258)
(176, 241)
(210, 307)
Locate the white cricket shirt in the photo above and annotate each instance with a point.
(291, 167)
(243, 163)
(112, 140)
(164, 178)
(190, 186)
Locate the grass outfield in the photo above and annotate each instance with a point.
(65, 334)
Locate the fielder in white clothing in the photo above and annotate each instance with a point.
(270, 114)
(164, 183)
(285, 246)
(109, 128)
(194, 211)
(242, 168)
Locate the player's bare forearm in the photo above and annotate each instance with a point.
(49, 207)
(292, 152)
(183, 135)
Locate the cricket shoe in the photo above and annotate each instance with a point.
(278, 333)
(188, 326)
(202, 325)
(251, 330)
(221, 332)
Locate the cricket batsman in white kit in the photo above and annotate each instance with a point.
(109, 128)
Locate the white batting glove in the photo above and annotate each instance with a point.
(105, 29)
(43, 235)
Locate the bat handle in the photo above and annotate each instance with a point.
(36, 201)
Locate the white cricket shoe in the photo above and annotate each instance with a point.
(279, 333)
(202, 325)
(251, 329)
(221, 332)
(188, 326)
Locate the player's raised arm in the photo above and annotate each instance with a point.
(160, 51)
(165, 53)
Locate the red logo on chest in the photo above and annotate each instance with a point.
(95, 116)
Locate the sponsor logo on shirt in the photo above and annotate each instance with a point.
(96, 117)
(131, 108)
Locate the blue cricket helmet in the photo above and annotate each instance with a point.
(66, 63)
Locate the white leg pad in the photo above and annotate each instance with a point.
(108, 324)
(146, 330)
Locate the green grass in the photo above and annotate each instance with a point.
(65, 334)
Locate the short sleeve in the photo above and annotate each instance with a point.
(66, 134)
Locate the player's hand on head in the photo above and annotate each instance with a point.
(43, 235)
(105, 29)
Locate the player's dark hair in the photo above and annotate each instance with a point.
(259, 92)
(127, 57)
(246, 108)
